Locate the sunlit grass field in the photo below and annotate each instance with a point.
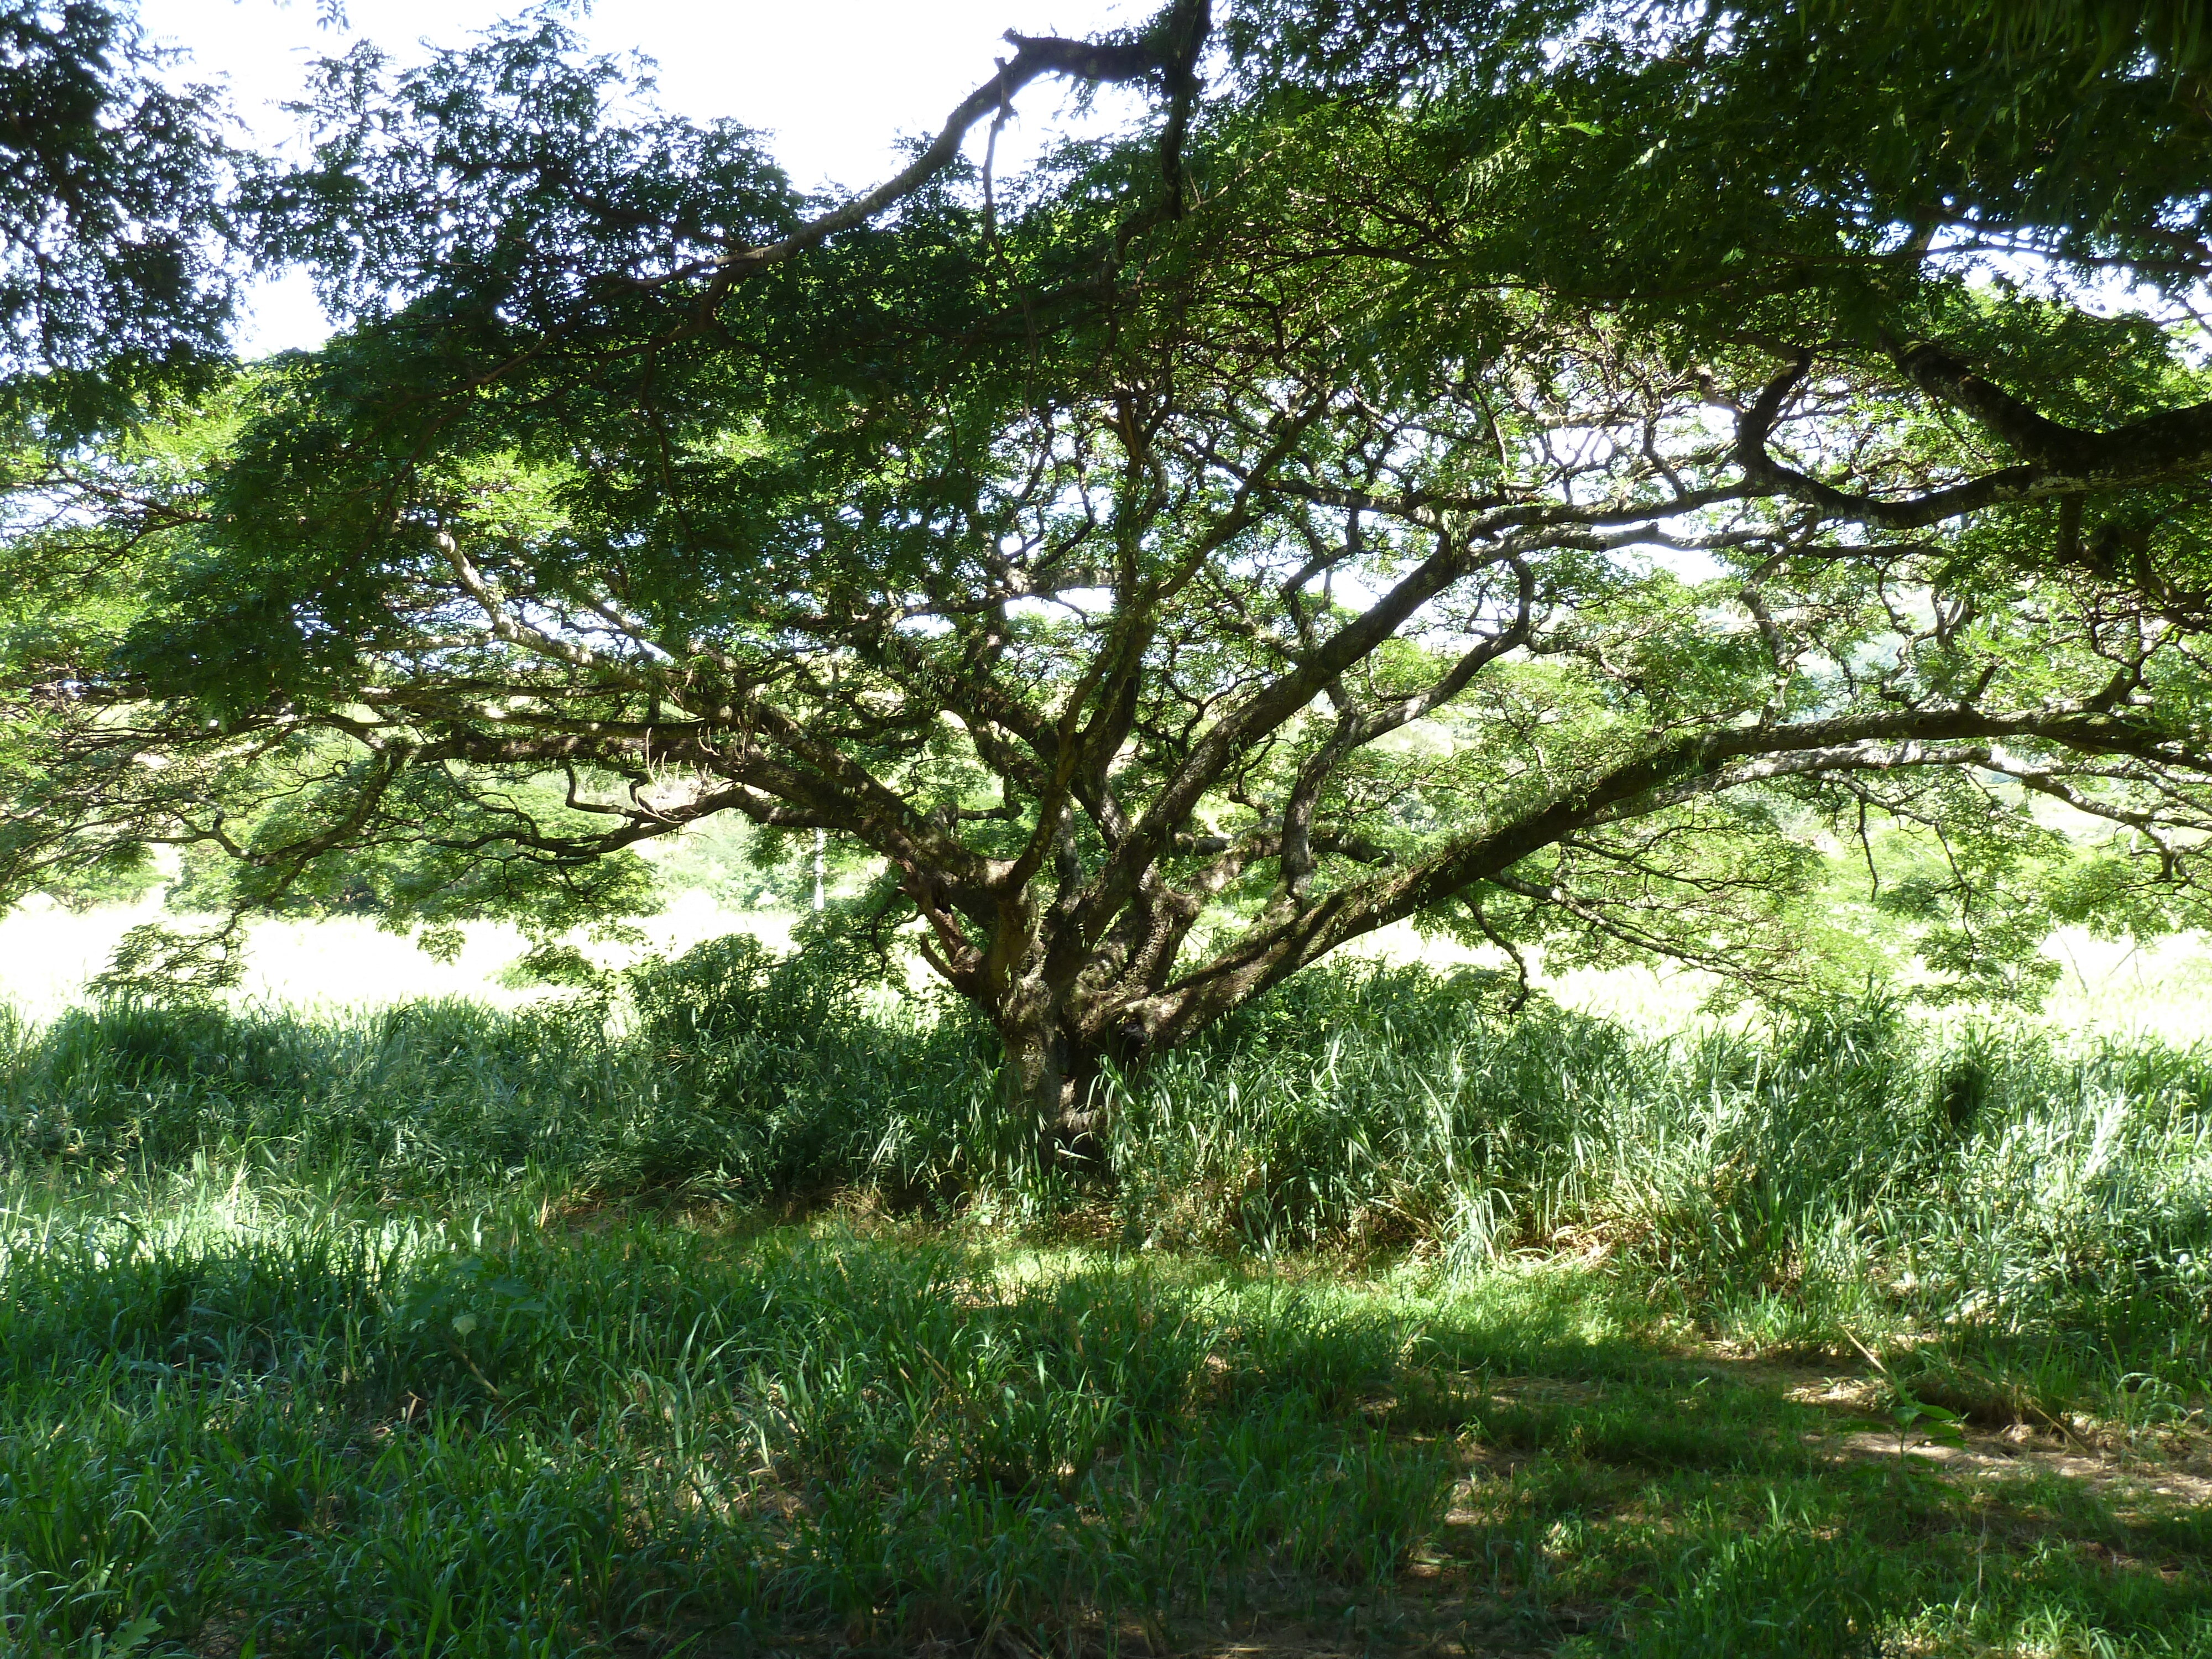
(732, 1324)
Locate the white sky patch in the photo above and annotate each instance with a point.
(836, 83)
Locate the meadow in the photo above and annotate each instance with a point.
(716, 1314)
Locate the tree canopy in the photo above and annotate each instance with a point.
(1555, 472)
(116, 224)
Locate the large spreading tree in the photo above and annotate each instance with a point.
(1476, 465)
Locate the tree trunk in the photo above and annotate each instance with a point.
(1050, 1080)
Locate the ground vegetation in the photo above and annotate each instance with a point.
(1407, 1329)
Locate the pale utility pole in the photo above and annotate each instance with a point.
(821, 840)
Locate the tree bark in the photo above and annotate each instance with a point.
(1050, 1081)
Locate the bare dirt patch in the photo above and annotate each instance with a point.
(2050, 1447)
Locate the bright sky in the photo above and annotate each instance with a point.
(837, 82)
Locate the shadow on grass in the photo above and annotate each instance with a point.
(244, 1417)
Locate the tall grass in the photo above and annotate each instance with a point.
(352, 1335)
(1819, 1183)
(350, 1437)
(734, 1078)
(2043, 1205)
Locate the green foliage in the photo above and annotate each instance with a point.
(124, 876)
(116, 224)
(436, 1329)
(728, 861)
(1800, 1183)
(1763, 160)
(1916, 1418)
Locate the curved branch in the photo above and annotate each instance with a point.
(1279, 944)
(1095, 61)
(2173, 440)
(2060, 460)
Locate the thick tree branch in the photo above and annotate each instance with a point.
(1709, 761)
(1100, 62)
(2060, 461)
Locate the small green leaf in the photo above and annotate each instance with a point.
(128, 1638)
